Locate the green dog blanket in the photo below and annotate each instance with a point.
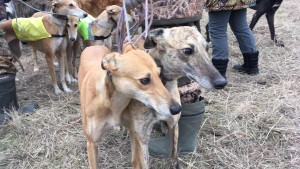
(84, 27)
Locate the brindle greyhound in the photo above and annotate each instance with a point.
(181, 51)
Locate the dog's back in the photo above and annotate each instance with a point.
(90, 58)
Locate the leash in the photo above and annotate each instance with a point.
(123, 22)
(24, 3)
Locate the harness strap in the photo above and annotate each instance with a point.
(93, 37)
(57, 36)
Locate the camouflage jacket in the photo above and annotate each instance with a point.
(220, 5)
(174, 9)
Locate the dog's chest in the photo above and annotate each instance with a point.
(57, 43)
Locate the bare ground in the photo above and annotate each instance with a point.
(253, 123)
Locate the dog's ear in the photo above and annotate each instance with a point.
(150, 41)
(111, 10)
(109, 62)
(54, 3)
(128, 47)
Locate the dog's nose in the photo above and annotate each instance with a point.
(175, 108)
(72, 39)
(85, 15)
(220, 83)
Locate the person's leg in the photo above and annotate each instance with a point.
(218, 22)
(247, 44)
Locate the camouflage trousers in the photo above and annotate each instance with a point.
(6, 61)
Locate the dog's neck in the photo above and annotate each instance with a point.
(57, 21)
(167, 76)
(106, 23)
(116, 101)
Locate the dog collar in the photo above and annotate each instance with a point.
(103, 37)
(165, 79)
(93, 37)
(109, 75)
(59, 16)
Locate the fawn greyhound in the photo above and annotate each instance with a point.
(73, 47)
(180, 51)
(94, 31)
(56, 45)
(101, 28)
(106, 92)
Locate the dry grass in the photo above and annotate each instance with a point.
(253, 123)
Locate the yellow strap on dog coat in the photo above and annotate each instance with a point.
(30, 29)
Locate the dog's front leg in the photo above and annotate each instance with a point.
(35, 64)
(140, 127)
(49, 59)
(62, 57)
(68, 62)
(270, 18)
(173, 134)
(76, 50)
(92, 149)
(139, 148)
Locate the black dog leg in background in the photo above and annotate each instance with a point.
(207, 32)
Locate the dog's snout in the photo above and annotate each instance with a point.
(220, 83)
(85, 15)
(72, 39)
(175, 108)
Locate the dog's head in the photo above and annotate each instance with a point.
(114, 12)
(72, 24)
(67, 7)
(136, 75)
(182, 51)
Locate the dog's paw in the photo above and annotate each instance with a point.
(73, 80)
(58, 91)
(56, 64)
(68, 78)
(36, 69)
(280, 44)
(67, 90)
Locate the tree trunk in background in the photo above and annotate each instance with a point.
(95, 7)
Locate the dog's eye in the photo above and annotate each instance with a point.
(68, 25)
(187, 51)
(75, 25)
(71, 5)
(145, 81)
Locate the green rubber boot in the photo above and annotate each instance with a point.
(189, 126)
